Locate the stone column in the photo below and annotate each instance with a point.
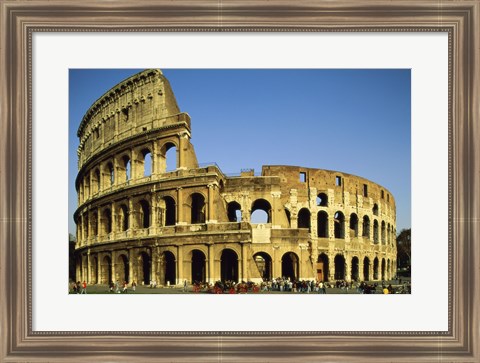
(154, 214)
(331, 227)
(179, 206)
(211, 265)
(131, 257)
(331, 269)
(181, 157)
(347, 228)
(154, 266)
(244, 263)
(133, 165)
(361, 277)
(89, 267)
(211, 208)
(274, 212)
(180, 264)
(114, 263)
(131, 216)
(115, 171)
(348, 270)
(276, 263)
(370, 270)
(114, 220)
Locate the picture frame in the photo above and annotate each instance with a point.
(20, 19)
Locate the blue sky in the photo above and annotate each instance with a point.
(354, 121)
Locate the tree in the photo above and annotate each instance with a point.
(404, 249)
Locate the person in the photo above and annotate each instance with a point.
(117, 287)
(84, 287)
(385, 290)
(124, 287)
(184, 285)
(320, 287)
(134, 286)
(111, 286)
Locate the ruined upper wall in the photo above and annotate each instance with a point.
(140, 103)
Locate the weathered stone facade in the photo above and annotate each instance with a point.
(136, 221)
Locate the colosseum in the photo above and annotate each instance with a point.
(138, 221)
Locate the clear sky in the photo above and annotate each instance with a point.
(354, 121)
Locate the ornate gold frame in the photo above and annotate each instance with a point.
(19, 19)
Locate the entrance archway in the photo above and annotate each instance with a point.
(263, 261)
(339, 267)
(198, 266)
(290, 266)
(383, 269)
(229, 265)
(170, 270)
(375, 268)
(144, 268)
(122, 268)
(322, 267)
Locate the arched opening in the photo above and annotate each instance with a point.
(170, 211)
(234, 212)
(107, 270)
(353, 225)
(375, 231)
(123, 217)
(322, 224)
(375, 268)
(322, 267)
(197, 208)
(339, 220)
(322, 200)
(144, 214)
(366, 227)
(111, 174)
(229, 265)
(389, 234)
(355, 271)
(170, 157)
(304, 218)
(95, 223)
(170, 270)
(147, 162)
(263, 261)
(383, 233)
(87, 186)
(290, 265)
(375, 209)
(128, 167)
(122, 269)
(383, 269)
(339, 267)
(107, 218)
(144, 268)
(389, 271)
(261, 212)
(198, 266)
(366, 269)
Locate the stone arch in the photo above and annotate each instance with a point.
(375, 268)
(229, 265)
(263, 262)
(304, 218)
(144, 214)
(110, 173)
(375, 231)
(339, 262)
(143, 266)
(170, 270)
(234, 211)
(322, 200)
(322, 267)
(375, 209)
(290, 266)
(169, 152)
(123, 217)
(167, 211)
(198, 266)
(107, 221)
(389, 272)
(353, 225)
(94, 277)
(289, 217)
(95, 223)
(197, 208)
(383, 270)
(339, 223)
(366, 227)
(322, 224)
(261, 205)
(383, 233)
(147, 161)
(126, 168)
(96, 187)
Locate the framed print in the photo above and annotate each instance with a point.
(49, 48)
